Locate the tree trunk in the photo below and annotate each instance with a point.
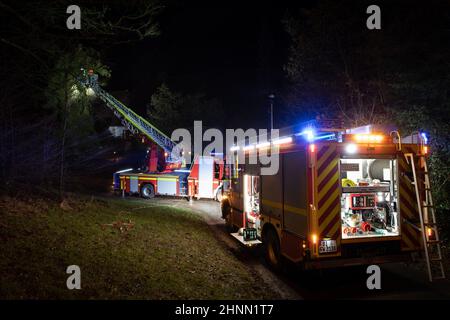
(63, 139)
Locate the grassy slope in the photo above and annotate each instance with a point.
(169, 254)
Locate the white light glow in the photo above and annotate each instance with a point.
(309, 134)
(425, 138)
(125, 170)
(74, 92)
(90, 92)
(234, 148)
(351, 148)
(283, 140)
(250, 147)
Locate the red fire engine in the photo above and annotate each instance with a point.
(340, 197)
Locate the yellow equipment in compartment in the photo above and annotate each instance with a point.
(348, 183)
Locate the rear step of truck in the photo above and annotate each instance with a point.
(248, 243)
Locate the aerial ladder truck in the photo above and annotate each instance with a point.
(171, 177)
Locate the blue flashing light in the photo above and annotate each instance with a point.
(424, 136)
(308, 133)
(325, 137)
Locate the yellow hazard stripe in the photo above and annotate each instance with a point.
(325, 156)
(406, 240)
(289, 208)
(272, 204)
(327, 170)
(329, 218)
(330, 209)
(408, 233)
(332, 230)
(327, 203)
(295, 210)
(329, 185)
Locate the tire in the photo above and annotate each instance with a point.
(147, 191)
(272, 252)
(226, 214)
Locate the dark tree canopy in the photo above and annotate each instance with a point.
(339, 67)
(45, 117)
(171, 110)
(399, 74)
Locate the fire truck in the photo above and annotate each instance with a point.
(341, 197)
(166, 172)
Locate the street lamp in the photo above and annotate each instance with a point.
(271, 97)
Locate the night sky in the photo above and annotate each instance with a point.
(228, 50)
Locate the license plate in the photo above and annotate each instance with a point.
(327, 246)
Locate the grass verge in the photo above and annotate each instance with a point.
(124, 251)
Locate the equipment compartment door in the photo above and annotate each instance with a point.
(251, 202)
(294, 193)
(134, 184)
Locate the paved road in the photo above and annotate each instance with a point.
(398, 281)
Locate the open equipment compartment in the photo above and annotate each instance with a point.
(369, 198)
(251, 202)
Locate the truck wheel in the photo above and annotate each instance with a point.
(230, 226)
(272, 250)
(227, 215)
(147, 191)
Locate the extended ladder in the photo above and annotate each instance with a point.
(431, 242)
(132, 120)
